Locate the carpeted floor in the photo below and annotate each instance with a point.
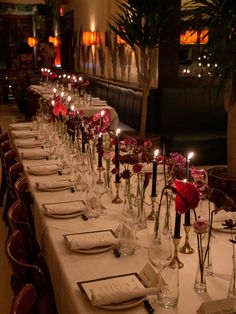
(8, 113)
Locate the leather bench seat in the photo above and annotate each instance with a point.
(194, 119)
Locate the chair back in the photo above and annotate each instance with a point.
(16, 218)
(25, 301)
(20, 261)
(14, 174)
(9, 159)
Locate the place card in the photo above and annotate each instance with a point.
(149, 275)
(222, 306)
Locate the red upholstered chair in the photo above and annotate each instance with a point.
(3, 148)
(25, 302)
(9, 159)
(26, 269)
(24, 195)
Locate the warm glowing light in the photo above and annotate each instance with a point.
(191, 37)
(72, 107)
(53, 103)
(117, 132)
(69, 98)
(62, 94)
(190, 156)
(89, 38)
(119, 40)
(156, 152)
(32, 41)
(102, 113)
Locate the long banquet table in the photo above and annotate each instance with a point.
(68, 267)
(46, 93)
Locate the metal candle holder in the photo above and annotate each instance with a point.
(186, 248)
(175, 258)
(151, 216)
(99, 181)
(117, 199)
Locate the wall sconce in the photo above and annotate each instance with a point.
(32, 41)
(194, 37)
(89, 38)
(56, 41)
(120, 41)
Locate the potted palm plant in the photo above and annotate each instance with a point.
(140, 24)
(219, 18)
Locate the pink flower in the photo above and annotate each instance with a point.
(201, 225)
(198, 174)
(108, 155)
(147, 144)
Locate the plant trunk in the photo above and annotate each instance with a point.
(230, 106)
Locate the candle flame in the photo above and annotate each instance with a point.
(69, 98)
(156, 152)
(117, 132)
(62, 94)
(190, 155)
(53, 103)
(80, 78)
(72, 107)
(102, 113)
(100, 134)
(54, 90)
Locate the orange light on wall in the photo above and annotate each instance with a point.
(89, 38)
(56, 41)
(32, 41)
(194, 37)
(120, 41)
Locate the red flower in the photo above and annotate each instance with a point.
(137, 168)
(187, 196)
(126, 174)
(114, 171)
(53, 76)
(58, 108)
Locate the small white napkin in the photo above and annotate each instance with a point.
(43, 170)
(24, 134)
(54, 185)
(86, 244)
(35, 154)
(63, 208)
(105, 297)
(22, 125)
(28, 143)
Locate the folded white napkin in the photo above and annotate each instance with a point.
(23, 134)
(63, 208)
(105, 296)
(22, 125)
(35, 154)
(54, 185)
(222, 215)
(89, 243)
(43, 170)
(28, 143)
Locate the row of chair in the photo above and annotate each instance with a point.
(30, 280)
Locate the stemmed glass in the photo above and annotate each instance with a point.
(160, 251)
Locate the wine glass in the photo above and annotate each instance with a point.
(160, 251)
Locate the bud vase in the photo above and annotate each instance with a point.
(208, 263)
(142, 219)
(200, 280)
(232, 284)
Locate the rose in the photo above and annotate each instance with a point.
(200, 225)
(126, 174)
(137, 168)
(58, 108)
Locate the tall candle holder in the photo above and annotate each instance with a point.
(117, 199)
(151, 216)
(99, 181)
(175, 258)
(186, 248)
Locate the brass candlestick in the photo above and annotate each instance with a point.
(175, 258)
(186, 248)
(117, 199)
(99, 181)
(151, 216)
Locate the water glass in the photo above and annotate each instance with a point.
(168, 286)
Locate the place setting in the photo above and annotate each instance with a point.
(64, 210)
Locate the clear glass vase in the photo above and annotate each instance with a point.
(208, 263)
(232, 284)
(200, 280)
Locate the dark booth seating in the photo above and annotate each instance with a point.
(193, 119)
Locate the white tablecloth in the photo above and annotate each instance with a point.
(67, 267)
(89, 110)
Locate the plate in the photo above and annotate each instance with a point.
(217, 225)
(95, 250)
(129, 279)
(63, 216)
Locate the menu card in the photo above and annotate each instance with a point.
(110, 285)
